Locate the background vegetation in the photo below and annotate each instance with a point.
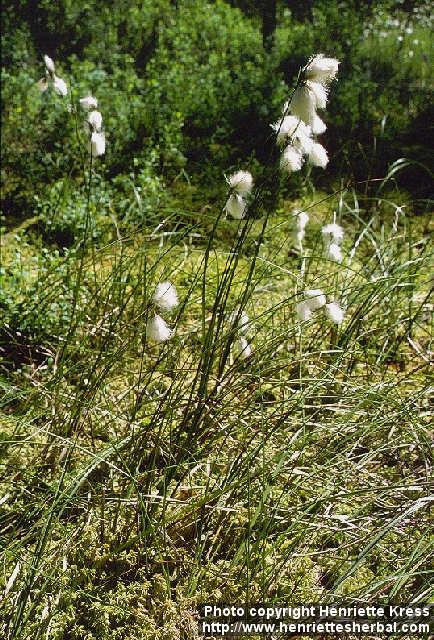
(141, 480)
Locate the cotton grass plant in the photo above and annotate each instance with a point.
(225, 422)
(59, 85)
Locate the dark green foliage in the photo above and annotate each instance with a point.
(191, 82)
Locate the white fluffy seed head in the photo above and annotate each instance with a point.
(236, 206)
(315, 299)
(289, 127)
(95, 120)
(165, 296)
(334, 252)
(321, 69)
(157, 329)
(241, 182)
(303, 104)
(319, 95)
(303, 143)
(291, 159)
(298, 236)
(49, 64)
(97, 143)
(302, 218)
(243, 324)
(60, 86)
(334, 312)
(243, 348)
(332, 233)
(304, 312)
(318, 126)
(89, 102)
(284, 128)
(318, 155)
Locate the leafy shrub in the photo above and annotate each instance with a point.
(209, 72)
(33, 147)
(199, 79)
(67, 215)
(184, 79)
(44, 139)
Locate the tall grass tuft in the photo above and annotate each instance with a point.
(190, 437)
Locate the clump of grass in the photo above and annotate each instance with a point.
(141, 479)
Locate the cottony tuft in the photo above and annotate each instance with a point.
(335, 253)
(95, 120)
(321, 69)
(97, 143)
(334, 312)
(303, 104)
(332, 233)
(243, 324)
(243, 348)
(236, 206)
(318, 93)
(291, 159)
(60, 86)
(241, 182)
(318, 126)
(157, 329)
(318, 155)
(315, 299)
(89, 102)
(49, 64)
(165, 296)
